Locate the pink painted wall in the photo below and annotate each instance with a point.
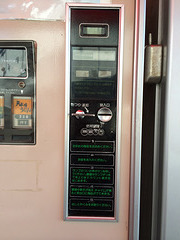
(32, 177)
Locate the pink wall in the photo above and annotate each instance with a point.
(32, 177)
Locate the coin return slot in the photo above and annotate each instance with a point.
(1, 137)
(22, 138)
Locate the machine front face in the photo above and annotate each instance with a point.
(93, 108)
(17, 92)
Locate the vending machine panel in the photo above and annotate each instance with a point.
(93, 45)
(17, 92)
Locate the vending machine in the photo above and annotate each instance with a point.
(71, 90)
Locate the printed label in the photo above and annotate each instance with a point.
(22, 109)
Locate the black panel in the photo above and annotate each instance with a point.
(17, 92)
(93, 87)
(103, 16)
(152, 12)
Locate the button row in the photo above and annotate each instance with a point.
(89, 132)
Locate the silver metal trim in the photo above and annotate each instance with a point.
(83, 114)
(119, 109)
(157, 133)
(137, 103)
(170, 217)
(34, 46)
(93, 36)
(67, 111)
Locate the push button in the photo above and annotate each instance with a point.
(84, 131)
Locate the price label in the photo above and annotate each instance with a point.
(22, 110)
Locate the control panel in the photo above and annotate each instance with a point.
(17, 92)
(94, 36)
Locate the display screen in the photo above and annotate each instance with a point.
(13, 62)
(94, 30)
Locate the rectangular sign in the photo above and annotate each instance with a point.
(91, 191)
(92, 159)
(88, 146)
(92, 175)
(95, 205)
(22, 110)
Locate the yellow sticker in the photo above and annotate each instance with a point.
(22, 110)
(22, 105)
(1, 105)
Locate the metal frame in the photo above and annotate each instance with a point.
(119, 107)
(171, 165)
(137, 104)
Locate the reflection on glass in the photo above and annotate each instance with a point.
(13, 62)
(94, 55)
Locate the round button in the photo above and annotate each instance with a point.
(101, 132)
(79, 114)
(90, 132)
(96, 131)
(104, 114)
(84, 131)
(21, 84)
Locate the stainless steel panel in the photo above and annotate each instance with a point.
(171, 165)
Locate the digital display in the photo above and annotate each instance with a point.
(84, 159)
(84, 191)
(88, 175)
(78, 146)
(94, 55)
(98, 205)
(13, 62)
(94, 30)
